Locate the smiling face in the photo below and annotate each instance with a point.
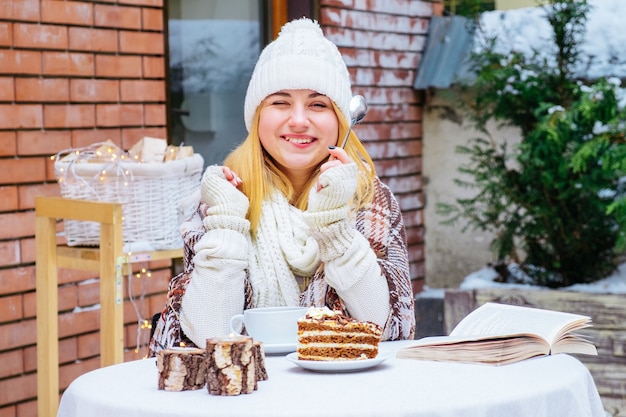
(296, 127)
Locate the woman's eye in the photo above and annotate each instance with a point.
(320, 105)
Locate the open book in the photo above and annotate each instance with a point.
(498, 334)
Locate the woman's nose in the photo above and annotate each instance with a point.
(299, 116)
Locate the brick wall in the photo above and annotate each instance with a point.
(77, 72)
(72, 73)
(382, 42)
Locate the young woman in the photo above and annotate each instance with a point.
(291, 218)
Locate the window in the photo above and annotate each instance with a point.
(213, 46)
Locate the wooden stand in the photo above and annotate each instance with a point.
(230, 366)
(181, 369)
(108, 260)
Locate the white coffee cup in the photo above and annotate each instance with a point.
(270, 325)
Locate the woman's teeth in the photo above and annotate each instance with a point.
(299, 140)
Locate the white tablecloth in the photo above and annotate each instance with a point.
(551, 386)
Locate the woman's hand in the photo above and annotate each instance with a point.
(338, 156)
(219, 190)
(231, 177)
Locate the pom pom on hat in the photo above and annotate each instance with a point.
(300, 58)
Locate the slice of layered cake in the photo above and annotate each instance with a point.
(326, 335)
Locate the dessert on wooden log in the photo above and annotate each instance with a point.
(231, 365)
(327, 335)
(260, 372)
(181, 369)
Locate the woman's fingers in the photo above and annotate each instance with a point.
(231, 176)
(338, 156)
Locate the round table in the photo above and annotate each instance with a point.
(551, 386)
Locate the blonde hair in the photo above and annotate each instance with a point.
(261, 177)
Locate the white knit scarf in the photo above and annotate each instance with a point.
(282, 247)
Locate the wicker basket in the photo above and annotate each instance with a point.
(150, 193)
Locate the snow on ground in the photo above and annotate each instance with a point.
(613, 284)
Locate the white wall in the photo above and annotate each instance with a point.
(450, 254)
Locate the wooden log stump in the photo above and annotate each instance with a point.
(230, 366)
(259, 362)
(181, 369)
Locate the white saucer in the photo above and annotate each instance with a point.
(274, 349)
(339, 366)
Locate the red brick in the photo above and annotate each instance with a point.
(153, 67)
(15, 280)
(88, 345)
(68, 350)
(41, 89)
(6, 36)
(117, 66)
(66, 301)
(152, 19)
(142, 43)
(394, 149)
(8, 143)
(413, 218)
(69, 115)
(15, 116)
(50, 174)
(16, 225)
(68, 12)
(410, 201)
(20, 62)
(67, 276)
(88, 39)
(28, 250)
(9, 252)
(417, 285)
(83, 138)
(12, 363)
(416, 269)
(38, 36)
(155, 3)
(71, 324)
(119, 114)
(10, 306)
(8, 198)
(18, 389)
(18, 334)
(384, 131)
(71, 371)
(154, 114)
(7, 92)
(28, 193)
(142, 90)
(10, 411)
(88, 293)
(406, 184)
(94, 90)
(27, 408)
(22, 170)
(68, 63)
(115, 16)
(20, 10)
(131, 136)
(44, 142)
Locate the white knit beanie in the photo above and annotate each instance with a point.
(301, 58)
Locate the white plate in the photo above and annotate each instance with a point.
(274, 349)
(339, 366)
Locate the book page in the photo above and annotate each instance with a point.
(492, 319)
(490, 351)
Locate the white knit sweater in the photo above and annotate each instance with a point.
(289, 244)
